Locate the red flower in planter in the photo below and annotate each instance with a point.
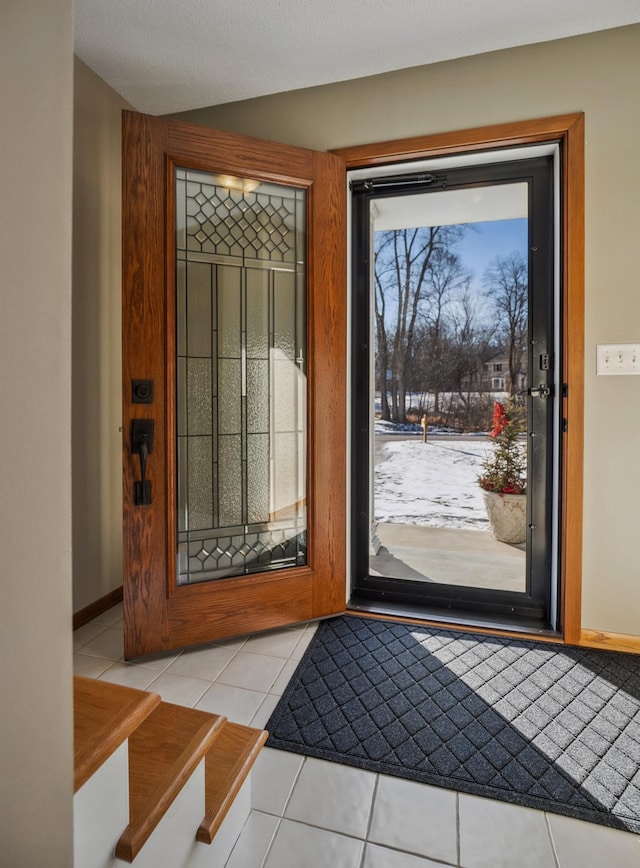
(500, 419)
(504, 471)
(512, 489)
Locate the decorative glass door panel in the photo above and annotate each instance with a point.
(241, 378)
(234, 349)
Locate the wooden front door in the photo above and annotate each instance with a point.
(234, 379)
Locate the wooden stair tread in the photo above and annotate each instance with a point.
(163, 753)
(104, 716)
(227, 765)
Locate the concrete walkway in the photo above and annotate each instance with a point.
(458, 557)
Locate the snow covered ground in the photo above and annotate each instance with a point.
(431, 484)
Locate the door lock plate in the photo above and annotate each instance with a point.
(142, 391)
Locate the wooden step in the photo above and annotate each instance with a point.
(163, 753)
(104, 716)
(227, 765)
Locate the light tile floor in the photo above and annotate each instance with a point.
(308, 813)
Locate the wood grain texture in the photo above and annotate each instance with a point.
(568, 130)
(610, 641)
(163, 754)
(104, 716)
(244, 156)
(458, 141)
(572, 459)
(244, 605)
(159, 615)
(143, 338)
(99, 607)
(227, 765)
(327, 306)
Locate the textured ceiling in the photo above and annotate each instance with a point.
(166, 56)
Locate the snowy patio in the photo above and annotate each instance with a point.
(431, 519)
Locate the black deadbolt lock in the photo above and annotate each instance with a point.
(142, 391)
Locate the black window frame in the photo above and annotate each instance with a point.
(534, 606)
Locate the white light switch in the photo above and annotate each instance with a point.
(618, 359)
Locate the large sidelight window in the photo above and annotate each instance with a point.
(241, 383)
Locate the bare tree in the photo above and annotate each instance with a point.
(404, 276)
(382, 346)
(507, 283)
(470, 346)
(446, 278)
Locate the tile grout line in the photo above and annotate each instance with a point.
(281, 660)
(348, 835)
(556, 858)
(178, 675)
(293, 786)
(110, 663)
(432, 859)
(258, 709)
(105, 627)
(373, 801)
(230, 661)
(237, 841)
(263, 861)
(458, 850)
(137, 666)
(365, 843)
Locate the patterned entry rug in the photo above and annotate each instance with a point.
(549, 727)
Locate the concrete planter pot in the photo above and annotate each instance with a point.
(507, 515)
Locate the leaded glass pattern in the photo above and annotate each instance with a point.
(232, 222)
(241, 384)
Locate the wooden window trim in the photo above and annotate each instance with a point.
(568, 131)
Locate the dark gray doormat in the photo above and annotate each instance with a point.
(546, 726)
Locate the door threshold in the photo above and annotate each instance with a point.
(456, 619)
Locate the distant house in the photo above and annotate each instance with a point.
(496, 376)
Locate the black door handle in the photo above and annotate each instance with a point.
(142, 445)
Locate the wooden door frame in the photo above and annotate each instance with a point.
(568, 132)
(158, 613)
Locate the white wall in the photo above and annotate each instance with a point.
(36, 739)
(97, 343)
(600, 75)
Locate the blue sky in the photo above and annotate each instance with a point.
(480, 244)
(487, 240)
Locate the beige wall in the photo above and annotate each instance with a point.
(36, 738)
(97, 367)
(600, 75)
